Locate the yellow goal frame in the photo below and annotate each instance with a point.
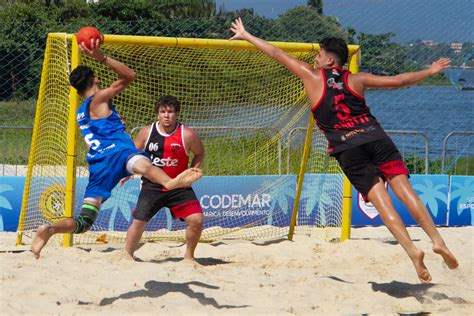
(354, 52)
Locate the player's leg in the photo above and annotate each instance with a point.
(134, 234)
(149, 203)
(380, 198)
(46, 231)
(193, 233)
(90, 208)
(140, 164)
(404, 192)
(184, 205)
(357, 163)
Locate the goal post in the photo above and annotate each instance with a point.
(70, 193)
(354, 62)
(246, 108)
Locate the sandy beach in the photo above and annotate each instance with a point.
(369, 274)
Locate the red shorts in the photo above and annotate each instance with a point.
(181, 202)
(364, 164)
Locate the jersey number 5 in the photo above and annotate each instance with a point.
(343, 111)
(92, 143)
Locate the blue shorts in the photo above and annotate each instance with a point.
(106, 172)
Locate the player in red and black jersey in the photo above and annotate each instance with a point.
(169, 144)
(365, 153)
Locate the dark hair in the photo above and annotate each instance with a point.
(81, 78)
(337, 47)
(168, 100)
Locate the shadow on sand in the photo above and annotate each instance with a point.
(154, 289)
(421, 292)
(201, 261)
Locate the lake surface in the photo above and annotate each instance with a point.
(435, 111)
(432, 110)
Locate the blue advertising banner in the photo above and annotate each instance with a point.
(321, 196)
(247, 199)
(432, 190)
(11, 194)
(243, 200)
(461, 204)
(117, 212)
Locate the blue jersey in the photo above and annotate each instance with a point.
(104, 136)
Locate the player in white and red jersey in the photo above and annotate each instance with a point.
(169, 144)
(365, 153)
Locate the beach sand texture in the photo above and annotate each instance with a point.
(368, 274)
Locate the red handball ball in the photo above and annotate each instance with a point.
(86, 34)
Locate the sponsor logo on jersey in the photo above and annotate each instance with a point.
(85, 126)
(81, 116)
(175, 148)
(331, 82)
(164, 162)
(352, 133)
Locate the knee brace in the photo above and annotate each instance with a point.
(86, 218)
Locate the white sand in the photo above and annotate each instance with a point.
(368, 274)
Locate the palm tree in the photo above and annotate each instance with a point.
(281, 190)
(121, 202)
(316, 192)
(4, 203)
(431, 194)
(463, 194)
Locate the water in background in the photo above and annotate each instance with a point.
(435, 111)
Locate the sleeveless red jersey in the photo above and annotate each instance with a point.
(167, 151)
(342, 115)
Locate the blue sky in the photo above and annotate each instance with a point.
(438, 20)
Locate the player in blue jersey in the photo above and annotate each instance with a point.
(112, 154)
(365, 153)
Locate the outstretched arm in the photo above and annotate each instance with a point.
(299, 68)
(401, 80)
(125, 74)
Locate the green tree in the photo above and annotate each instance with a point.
(187, 8)
(316, 5)
(302, 24)
(379, 54)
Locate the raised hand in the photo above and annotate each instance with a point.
(94, 51)
(238, 29)
(440, 65)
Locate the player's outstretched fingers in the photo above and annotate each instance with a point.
(42, 236)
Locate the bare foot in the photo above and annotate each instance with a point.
(184, 179)
(420, 267)
(191, 263)
(122, 254)
(42, 236)
(448, 257)
(187, 258)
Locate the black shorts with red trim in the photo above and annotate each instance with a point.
(364, 164)
(181, 202)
